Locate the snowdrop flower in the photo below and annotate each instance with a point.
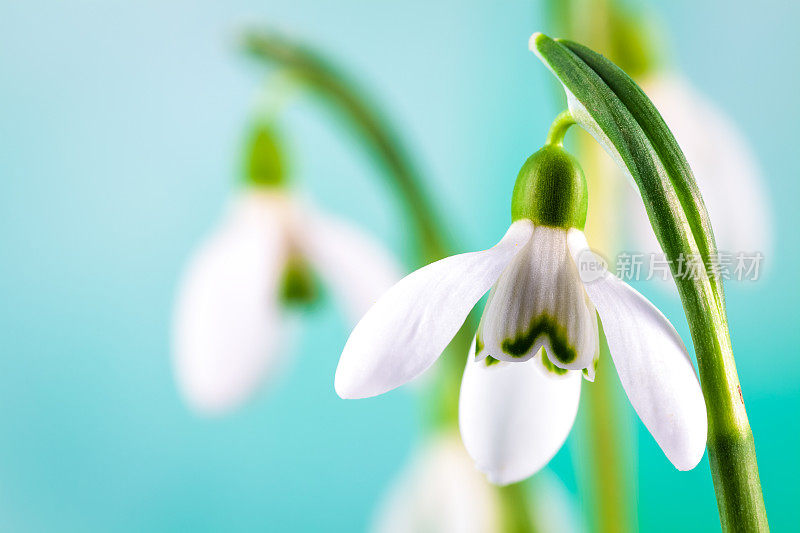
(230, 315)
(441, 492)
(539, 331)
(724, 166)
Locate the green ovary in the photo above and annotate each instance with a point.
(542, 325)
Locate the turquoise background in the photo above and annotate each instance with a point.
(120, 139)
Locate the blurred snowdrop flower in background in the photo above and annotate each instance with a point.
(440, 491)
(231, 317)
(723, 164)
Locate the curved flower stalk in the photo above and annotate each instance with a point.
(317, 74)
(537, 334)
(723, 163)
(230, 314)
(441, 492)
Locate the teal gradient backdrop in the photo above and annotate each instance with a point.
(120, 140)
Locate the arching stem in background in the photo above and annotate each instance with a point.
(315, 73)
(344, 97)
(609, 440)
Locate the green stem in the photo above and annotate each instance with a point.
(317, 74)
(516, 514)
(731, 449)
(559, 128)
(607, 456)
(607, 449)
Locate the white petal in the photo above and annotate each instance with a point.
(538, 301)
(652, 363)
(226, 322)
(514, 417)
(355, 265)
(723, 164)
(440, 491)
(409, 327)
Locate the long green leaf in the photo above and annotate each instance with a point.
(608, 104)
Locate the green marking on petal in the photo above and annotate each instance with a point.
(298, 285)
(594, 367)
(549, 366)
(489, 360)
(478, 344)
(542, 325)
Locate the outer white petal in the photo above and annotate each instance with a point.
(226, 321)
(724, 167)
(514, 417)
(538, 301)
(439, 492)
(409, 327)
(356, 266)
(652, 363)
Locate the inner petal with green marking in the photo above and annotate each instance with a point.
(539, 307)
(543, 329)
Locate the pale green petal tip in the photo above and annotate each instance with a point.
(588, 373)
(548, 365)
(489, 361)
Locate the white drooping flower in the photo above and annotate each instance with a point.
(441, 492)
(724, 166)
(539, 330)
(230, 320)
